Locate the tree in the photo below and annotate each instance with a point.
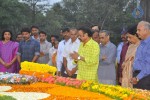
(68, 13)
(36, 6)
(106, 13)
(13, 15)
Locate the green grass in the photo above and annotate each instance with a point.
(4, 97)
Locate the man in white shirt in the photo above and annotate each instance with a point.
(44, 48)
(66, 35)
(71, 47)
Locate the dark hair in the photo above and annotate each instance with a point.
(55, 36)
(86, 30)
(94, 31)
(34, 27)
(18, 34)
(52, 36)
(25, 30)
(4, 33)
(65, 30)
(132, 30)
(42, 32)
(99, 27)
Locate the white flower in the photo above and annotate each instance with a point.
(5, 88)
(23, 95)
(26, 95)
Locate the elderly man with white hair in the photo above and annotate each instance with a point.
(141, 65)
(106, 69)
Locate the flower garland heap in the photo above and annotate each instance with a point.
(38, 75)
(12, 78)
(38, 70)
(45, 73)
(5, 95)
(58, 92)
(64, 81)
(99, 91)
(115, 92)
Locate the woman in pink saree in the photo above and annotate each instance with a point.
(8, 50)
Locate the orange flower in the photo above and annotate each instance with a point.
(39, 75)
(59, 92)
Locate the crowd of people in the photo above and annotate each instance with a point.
(83, 53)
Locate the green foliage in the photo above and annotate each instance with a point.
(106, 13)
(3, 97)
(13, 15)
(68, 13)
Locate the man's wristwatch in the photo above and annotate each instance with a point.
(79, 58)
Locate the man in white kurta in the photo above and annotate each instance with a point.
(66, 36)
(70, 47)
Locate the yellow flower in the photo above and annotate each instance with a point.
(45, 68)
(95, 87)
(124, 96)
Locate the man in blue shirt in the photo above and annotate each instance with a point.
(141, 65)
(29, 49)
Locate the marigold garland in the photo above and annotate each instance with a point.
(44, 68)
(39, 75)
(68, 93)
(59, 92)
(142, 94)
(116, 92)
